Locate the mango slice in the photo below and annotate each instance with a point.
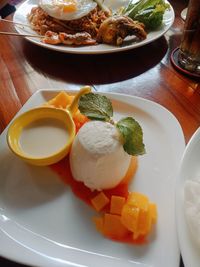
(138, 214)
(61, 100)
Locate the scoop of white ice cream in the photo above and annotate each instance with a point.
(97, 157)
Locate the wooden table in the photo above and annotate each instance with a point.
(145, 72)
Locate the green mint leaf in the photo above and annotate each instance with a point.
(132, 135)
(96, 107)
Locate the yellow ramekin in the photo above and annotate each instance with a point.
(22, 121)
(16, 128)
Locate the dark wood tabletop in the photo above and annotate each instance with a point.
(145, 72)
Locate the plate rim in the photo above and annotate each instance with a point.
(70, 50)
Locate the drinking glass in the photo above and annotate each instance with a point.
(189, 52)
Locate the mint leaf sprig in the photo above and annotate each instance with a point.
(132, 135)
(98, 107)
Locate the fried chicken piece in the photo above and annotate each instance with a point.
(116, 28)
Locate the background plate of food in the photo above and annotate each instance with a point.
(90, 27)
(42, 223)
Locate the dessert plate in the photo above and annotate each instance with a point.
(189, 170)
(20, 16)
(43, 224)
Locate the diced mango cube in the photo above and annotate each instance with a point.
(100, 201)
(129, 217)
(113, 227)
(116, 205)
(79, 120)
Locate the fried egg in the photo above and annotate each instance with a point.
(115, 5)
(67, 9)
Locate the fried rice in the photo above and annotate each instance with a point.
(41, 22)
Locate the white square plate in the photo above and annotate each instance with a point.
(43, 224)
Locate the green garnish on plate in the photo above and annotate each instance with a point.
(149, 12)
(96, 107)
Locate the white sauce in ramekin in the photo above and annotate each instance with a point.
(43, 137)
